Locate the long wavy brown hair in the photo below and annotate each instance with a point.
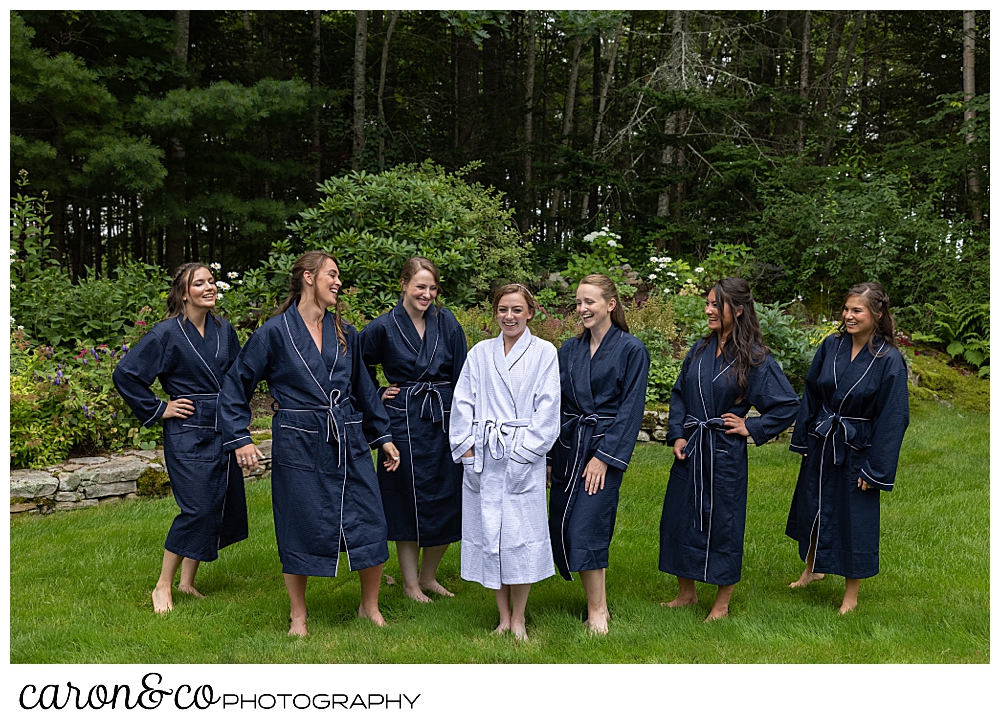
(179, 284)
(312, 262)
(745, 346)
(876, 299)
(418, 263)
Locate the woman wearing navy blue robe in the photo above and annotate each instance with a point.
(190, 351)
(855, 409)
(603, 374)
(704, 510)
(324, 492)
(421, 348)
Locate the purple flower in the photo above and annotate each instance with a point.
(86, 412)
(85, 360)
(124, 348)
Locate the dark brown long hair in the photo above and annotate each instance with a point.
(312, 262)
(418, 263)
(609, 291)
(876, 299)
(179, 287)
(745, 346)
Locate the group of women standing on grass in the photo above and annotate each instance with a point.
(469, 441)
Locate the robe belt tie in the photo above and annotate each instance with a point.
(838, 429)
(492, 439)
(334, 423)
(582, 428)
(431, 401)
(694, 449)
(206, 395)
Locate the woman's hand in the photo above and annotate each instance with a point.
(593, 475)
(679, 446)
(182, 408)
(735, 425)
(248, 457)
(390, 392)
(548, 477)
(863, 485)
(391, 456)
(470, 453)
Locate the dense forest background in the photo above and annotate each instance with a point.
(835, 144)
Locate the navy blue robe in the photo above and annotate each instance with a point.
(324, 492)
(705, 506)
(851, 424)
(422, 498)
(206, 482)
(603, 400)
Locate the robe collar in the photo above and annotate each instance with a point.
(580, 366)
(319, 365)
(847, 372)
(423, 349)
(206, 348)
(705, 378)
(502, 363)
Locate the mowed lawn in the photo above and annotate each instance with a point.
(80, 584)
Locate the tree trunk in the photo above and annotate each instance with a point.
(969, 88)
(175, 182)
(360, 48)
(675, 81)
(466, 92)
(574, 75)
(842, 91)
(599, 115)
(804, 79)
(832, 50)
(382, 127)
(529, 112)
(317, 147)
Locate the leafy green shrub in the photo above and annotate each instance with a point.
(603, 258)
(962, 327)
(653, 323)
(372, 223)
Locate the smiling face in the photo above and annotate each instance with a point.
(325, 283)
(419, 292)
(593, 308)
(201, 290)
(858, 319)
(719, 321)
(513, 314)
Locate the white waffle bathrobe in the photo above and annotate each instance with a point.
(506, 408)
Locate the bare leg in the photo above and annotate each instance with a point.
(687, 596)
(808, 576)
(518, 602)
(502, 596)
(597, 602)
(409, 555)
(428, 570)
(296, 587)
(371, 578)
(163, 601)
(189, 569)
(720, 609)
(851, 586)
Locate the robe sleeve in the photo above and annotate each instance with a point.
(134, 375)
(375, 424)
(543, 430)
(252, 365)
(372, 341)
(678, 407)
(619, 441)
(234, 345)
(458, 346)
(892, 416)
(463, 407)
(775, 400)
(811, 402)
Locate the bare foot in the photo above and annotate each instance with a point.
(680, 601)
(374, 616)
(519, 631)
(847, 607)
(716, 614)
(163, 602)
(598, 624)
(190, 590)
(806, 578)
(503, 628)
(435, 587)
(416, 594)
(297, 627)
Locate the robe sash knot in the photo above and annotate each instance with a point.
(581, 429)
(335, 429)
(428, 394)
(491, 436)
(694, 449)
(839, 430)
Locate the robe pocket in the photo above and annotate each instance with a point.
(356, 442)
(297, 440)
(193, 442)
(470, 477)
(518, 478)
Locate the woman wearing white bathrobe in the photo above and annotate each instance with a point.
(504, 419)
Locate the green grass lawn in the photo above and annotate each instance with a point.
(80, 584)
